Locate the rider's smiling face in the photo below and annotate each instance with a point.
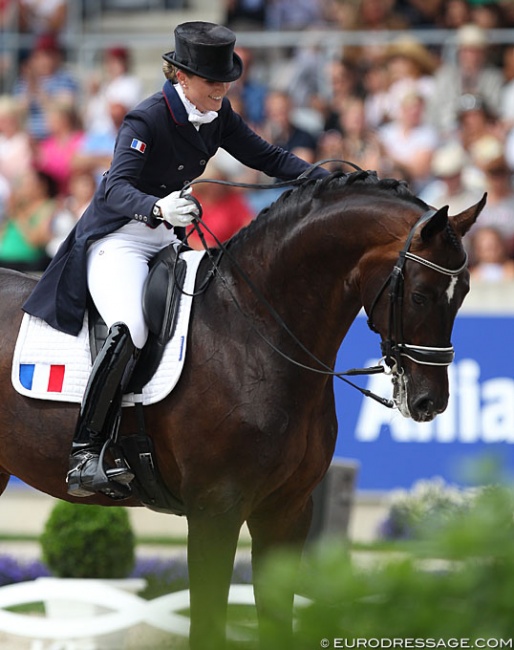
(204, 94)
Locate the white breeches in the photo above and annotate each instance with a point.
(117, 267)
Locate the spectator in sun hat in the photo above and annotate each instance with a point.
(409, 64)
(164, 142)
(471, 73)
(450, 164)
(421, 61)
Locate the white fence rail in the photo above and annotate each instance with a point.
(101, 609)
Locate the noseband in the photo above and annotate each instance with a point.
(393, 348)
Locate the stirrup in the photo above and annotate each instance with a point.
(113, 482)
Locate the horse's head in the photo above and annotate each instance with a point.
(413, 307)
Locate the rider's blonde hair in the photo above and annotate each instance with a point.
(170, 72)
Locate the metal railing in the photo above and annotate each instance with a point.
(81, 45)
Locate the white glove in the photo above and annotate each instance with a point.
(177, 210)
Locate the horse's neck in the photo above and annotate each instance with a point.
(306, 275)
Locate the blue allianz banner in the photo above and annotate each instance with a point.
(394, 451)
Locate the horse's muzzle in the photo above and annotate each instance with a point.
(421, 406)
(425, 408)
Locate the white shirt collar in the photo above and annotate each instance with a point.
(196, 117)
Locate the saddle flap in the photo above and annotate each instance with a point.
(162, 292)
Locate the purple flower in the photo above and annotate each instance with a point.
(13, 570)
(163, 574)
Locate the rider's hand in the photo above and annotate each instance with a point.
(177, 208)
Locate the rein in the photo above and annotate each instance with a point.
(263, 186)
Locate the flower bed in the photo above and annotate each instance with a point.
(428, 505)
(163, 575)
(13, 570)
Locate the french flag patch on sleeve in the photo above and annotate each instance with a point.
(138, 145)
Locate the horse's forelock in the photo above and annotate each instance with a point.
(452, 236)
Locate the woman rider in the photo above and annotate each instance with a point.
(162, 144)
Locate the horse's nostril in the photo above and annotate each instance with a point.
(425, 406)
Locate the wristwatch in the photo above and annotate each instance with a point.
(156, 211)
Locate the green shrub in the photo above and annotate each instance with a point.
(85, 541)
(456, 583)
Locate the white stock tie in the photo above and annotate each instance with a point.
(196, 117)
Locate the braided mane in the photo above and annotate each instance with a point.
(295, 202)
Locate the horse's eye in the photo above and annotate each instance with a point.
(419, 299)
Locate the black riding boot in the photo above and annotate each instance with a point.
(100, 407)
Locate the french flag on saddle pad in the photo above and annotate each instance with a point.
(42, 377)
(138, 145)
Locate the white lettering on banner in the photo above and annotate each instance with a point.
(467, 392)
(477, 412)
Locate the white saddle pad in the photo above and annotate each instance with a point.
(51, 365)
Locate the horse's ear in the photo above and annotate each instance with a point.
(462, 222)
(436, 224)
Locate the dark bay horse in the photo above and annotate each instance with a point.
(247, 435)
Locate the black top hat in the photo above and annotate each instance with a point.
(206, 50)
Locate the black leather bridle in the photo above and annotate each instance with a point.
(393, 347)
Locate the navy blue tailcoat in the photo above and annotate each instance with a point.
(157, 150)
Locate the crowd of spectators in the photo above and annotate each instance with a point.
(440, 116)
(57, 134)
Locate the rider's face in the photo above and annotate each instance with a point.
(204, 94)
